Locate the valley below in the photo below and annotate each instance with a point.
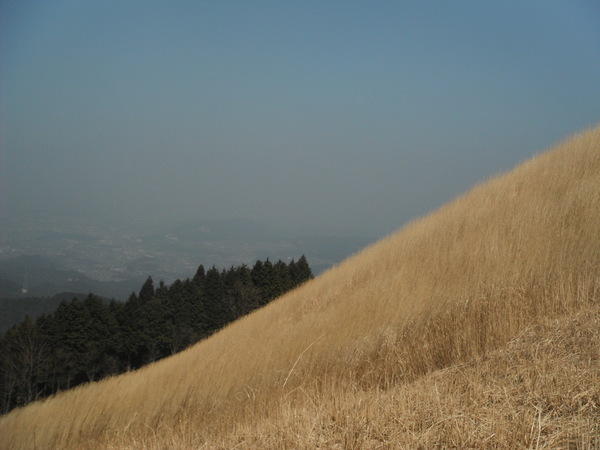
(50, 255)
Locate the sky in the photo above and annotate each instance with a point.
(309, 115)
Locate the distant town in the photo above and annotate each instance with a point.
(107, 252)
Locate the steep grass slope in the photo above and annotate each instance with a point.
(441, 334)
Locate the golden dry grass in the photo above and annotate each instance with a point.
(476, 326)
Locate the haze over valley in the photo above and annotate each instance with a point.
(319, 119)
(66, 254)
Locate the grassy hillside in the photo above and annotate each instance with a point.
(474, 326)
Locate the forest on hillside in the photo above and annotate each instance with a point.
(87, 340)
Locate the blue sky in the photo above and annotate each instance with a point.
(334, 116)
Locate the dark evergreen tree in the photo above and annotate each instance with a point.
(131, 326)
(301, 271)
(200, 276)
(162, 290)
(257, 274)
(102, 336)
(281, 278)
(263, 278)
(242, 295)
(215, 292)
(147, 291)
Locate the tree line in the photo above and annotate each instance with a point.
(87, 340)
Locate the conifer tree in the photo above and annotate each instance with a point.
(215, 292)
(200, 276)
(303, 271)
(147, 291)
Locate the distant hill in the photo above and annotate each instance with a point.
(37, 276)
(476, 326)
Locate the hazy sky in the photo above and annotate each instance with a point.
(330, 115)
